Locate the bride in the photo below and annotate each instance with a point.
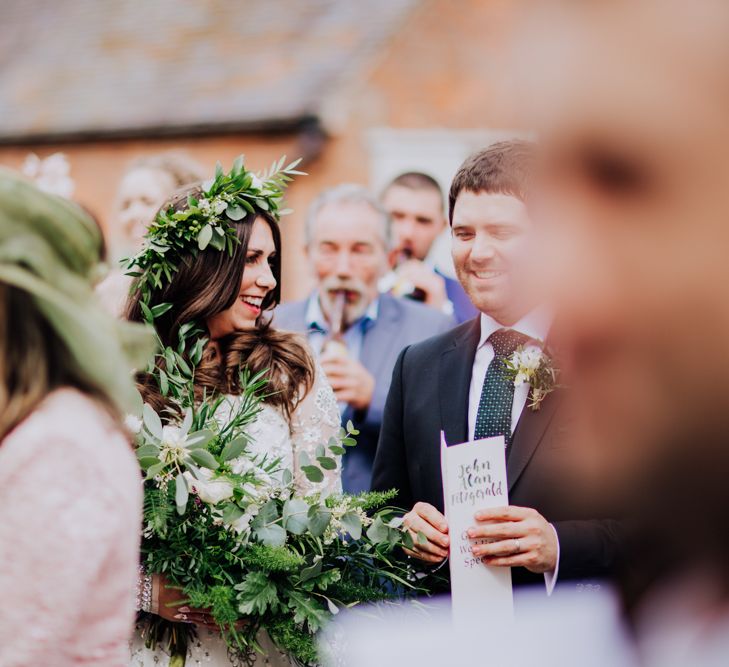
(231, 293)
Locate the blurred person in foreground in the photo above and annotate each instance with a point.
(631, 100)
(414, 201)
(70, 493)
(146, 184)
(457, 383)
(356, 332)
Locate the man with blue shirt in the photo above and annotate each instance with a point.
(356, 332)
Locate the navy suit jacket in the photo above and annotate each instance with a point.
(429, 394)
(399, 323)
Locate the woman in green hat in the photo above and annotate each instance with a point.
(70, 492)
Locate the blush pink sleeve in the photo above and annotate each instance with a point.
(70, 506)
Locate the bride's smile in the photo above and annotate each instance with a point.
(257, 283)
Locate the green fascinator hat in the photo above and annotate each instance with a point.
(50, 248)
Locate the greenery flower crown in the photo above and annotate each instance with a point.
(208, 221)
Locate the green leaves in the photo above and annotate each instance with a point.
(327, 463)
(235, 212)
(352, 524)
(207, 222)
(204, 237)
(151, 421)
(319, 518)
(313, 474)
(204, 458)
(234, 448)
(266, 529)
(307, 610)
(257, 594)
(181, 493)
(295, 517)
(377, 532)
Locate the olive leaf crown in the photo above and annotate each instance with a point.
(208, 221)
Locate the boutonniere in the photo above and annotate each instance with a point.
(534, 366)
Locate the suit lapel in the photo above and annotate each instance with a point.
(454, 381)
(530, 432)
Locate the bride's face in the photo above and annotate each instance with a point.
(257, 282)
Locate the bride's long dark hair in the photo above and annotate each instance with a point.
(209, 283)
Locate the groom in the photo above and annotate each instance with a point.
(455, 382)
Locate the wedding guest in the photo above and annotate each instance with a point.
(414, 201)
(356, 332)
(147, 182)
(70, 491)
(634, 188)
(457, 383)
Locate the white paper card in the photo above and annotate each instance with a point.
(474, 478)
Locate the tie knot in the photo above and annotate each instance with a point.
(505, 341)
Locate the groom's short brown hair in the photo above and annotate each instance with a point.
(502, 168)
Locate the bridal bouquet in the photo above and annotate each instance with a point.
(228, 528)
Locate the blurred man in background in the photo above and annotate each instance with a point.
(415, 202)
(356, 332)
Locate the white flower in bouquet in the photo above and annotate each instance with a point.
(256, 182)
(242, 525)
(209, 489)
(219, 205)
(133, 424)
(242, 465)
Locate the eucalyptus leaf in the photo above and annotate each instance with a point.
(234, 448)
(235, 212)
(295, 517)
(319, 518)
(199, 439)
(378, 532)
(146, 462)
(155, 470)
(271, 535)
(327, 463)
(313, 473)
(352, 524)
(203, 238)
(182, 493)
(231, 513)
(147, 451)
(152, 422)
(204, 458)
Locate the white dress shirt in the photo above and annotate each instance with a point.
(535, 326)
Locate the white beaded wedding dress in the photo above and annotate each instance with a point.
(315, 420)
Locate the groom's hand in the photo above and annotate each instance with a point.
(429, 531)
(518, 537)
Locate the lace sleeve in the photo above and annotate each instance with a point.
(316, 420)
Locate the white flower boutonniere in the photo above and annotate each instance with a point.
(533, 366)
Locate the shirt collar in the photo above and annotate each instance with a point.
(535, 325)
(315, 316)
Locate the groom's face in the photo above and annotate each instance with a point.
(491, 246)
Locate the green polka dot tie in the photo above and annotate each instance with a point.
(497, 395)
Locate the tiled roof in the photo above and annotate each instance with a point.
(111, 67)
